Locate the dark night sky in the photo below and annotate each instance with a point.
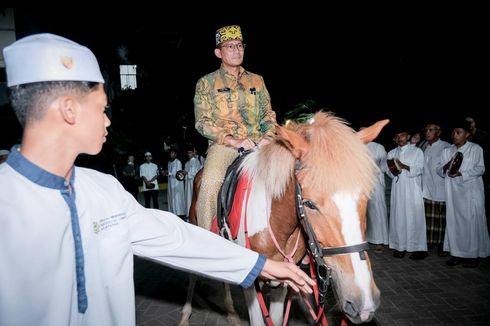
(406, 64)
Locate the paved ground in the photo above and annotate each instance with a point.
(417, 293)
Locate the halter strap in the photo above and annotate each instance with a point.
(324, 272)
(360, 248)
(313, 243)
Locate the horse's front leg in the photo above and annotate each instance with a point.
(233, 318)
(187, 309)
(277, 300)
(253, 307)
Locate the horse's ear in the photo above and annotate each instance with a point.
(296, 143)
(370, 133)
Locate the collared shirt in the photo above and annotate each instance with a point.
(38, 277)
(226, 105)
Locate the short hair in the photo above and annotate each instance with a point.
(30, 101)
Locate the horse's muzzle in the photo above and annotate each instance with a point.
(356, 316)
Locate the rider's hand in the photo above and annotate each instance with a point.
(246, 143)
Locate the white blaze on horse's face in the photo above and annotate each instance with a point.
(347, 204)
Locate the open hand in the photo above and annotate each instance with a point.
(288, 273)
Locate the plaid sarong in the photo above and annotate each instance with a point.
(435, 219)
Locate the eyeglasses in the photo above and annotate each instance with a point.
(231, 47)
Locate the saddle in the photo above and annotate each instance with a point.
(227, 221)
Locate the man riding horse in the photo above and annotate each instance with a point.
(233, 110)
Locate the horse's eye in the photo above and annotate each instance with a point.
(310, 204)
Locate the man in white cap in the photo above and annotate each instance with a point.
(233, 111)
(69, 233)
(149, 174)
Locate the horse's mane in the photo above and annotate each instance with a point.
(336, 159)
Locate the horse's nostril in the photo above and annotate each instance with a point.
(350, 309)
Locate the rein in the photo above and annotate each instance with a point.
(324, 273)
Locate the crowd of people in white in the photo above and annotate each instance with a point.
(436, 200)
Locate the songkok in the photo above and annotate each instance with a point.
(463, 124)
(228, 33)
(49, 57)
(147, 154)
(398, 127)
(4, 152)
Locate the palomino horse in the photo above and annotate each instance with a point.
(307, 191)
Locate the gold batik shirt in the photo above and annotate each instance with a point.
(226, 105)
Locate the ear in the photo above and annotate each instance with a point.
(293, 141)
(371, 132)
(67, 107)
(217, 53)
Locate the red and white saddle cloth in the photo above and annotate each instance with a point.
(240, 201)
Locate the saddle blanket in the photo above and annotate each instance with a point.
(239, 200)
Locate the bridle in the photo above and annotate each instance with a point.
(324, 273)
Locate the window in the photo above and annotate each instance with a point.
(128, 76)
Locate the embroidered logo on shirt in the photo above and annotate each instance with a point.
(108, 222)
(96, 227)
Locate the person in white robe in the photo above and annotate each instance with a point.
(192, 166)
(466, 236)
(407, 216)
(377, 217)
(68, 234)
(175, 188)
(434, 191)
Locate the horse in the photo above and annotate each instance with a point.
(307, 192)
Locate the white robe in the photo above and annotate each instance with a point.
(377, 217)
(175, 189)
(466, 223)
(192, 167)
(432, 182)
(407, 213)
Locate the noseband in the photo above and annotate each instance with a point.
(324, 273)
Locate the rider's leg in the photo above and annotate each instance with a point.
(218, 158)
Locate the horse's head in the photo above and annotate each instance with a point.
(336, 174)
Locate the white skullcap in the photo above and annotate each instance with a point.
(147, 154)
(49, 57)
(4, 152)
